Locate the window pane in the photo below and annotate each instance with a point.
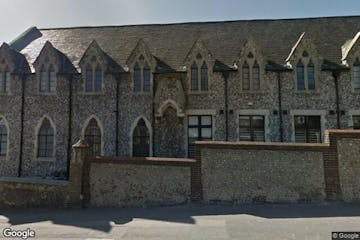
(357, 77)
(205, 120)
(7, 81)
(246, 77)
(300, 77)
(311, 76)
(193, 120)
(89, 80)
(356, 122)
(307, 129)
(194, 77)
(244, 128)
(52, 81)
(46, 140)
(141, 140)
(98, 80)
(256, 77)
(3, 138)
(147, 78)
(43, 79)
(204, 77)
(206, 133)
(137, 78)
(93, 137)
(1, 83)
(193, 132)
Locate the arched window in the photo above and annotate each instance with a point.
(7, 80)
(137, 78)
(46, 140)
(147, 77)
(356, 72)
(194, 77)
(98, 79)
(3, 137)
(300, 76)
(52, 80)
(310, 75)
(89, 79)
(141, 140)
(246, 76)
(43, 79)
(256, 76)
(204, 77)
(93, 137)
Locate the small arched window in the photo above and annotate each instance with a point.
(356, 74)
(52, 80)
(137, 78)
(93, 137)
(3, 137)
(310, 75)
(256, 76)
(43, 79)
(89, 79)
(147, 77)
(245, 76)
(204, 77)
(141, 140)
(7, 80)
(98, 79)
(46, 140)
(300, 76)
(194, 77)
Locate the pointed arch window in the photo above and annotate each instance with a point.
(194, 77)
(98, 79)
(89, 79)
(204, 77)
(137, 78)
(52, 81)
(3, 137)
(246, 76)
(356, 74)
(46, 139)
(256, 76)
(93, 137)
(43, 79)
(147, 77)
(141, 140)
(310, 75)
(300, 76)
(5, 79)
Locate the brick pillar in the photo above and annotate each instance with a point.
(196, 182)
(75, 197)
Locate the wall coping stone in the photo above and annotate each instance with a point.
(33, 181)
(143, 160)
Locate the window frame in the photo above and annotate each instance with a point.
(142, 76)
(199, 126)
(38, 140)
(307, 129)
(141, 137)
(356, 75)
(251, 129)
(92, 124)
(4, 138)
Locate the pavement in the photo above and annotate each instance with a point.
(298, 221)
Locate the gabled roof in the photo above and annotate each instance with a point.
(346, 48)
(112, 65)
(18, 60)
(171, 42)
(65, 64)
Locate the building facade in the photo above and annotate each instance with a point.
(153, 90)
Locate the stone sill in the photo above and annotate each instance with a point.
(33, 181)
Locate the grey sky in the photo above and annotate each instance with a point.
(18, 15)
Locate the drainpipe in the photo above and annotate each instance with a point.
(281, 127)
(226, 76)
(336, 75)
(23, 79)
(153, 115)
(117, 115)
(70, 80)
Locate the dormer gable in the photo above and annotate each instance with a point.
(198, 51)
(94, 55)
(49, 55)
(140, 51)
(304, 48)
(351, 50)
(13, 60)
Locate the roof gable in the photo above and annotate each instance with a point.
(348, 46)
(16, 60)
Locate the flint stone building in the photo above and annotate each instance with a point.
(153, 90)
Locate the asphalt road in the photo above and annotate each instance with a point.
(187, 222)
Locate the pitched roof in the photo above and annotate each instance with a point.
(172, 42)
(18, 59)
